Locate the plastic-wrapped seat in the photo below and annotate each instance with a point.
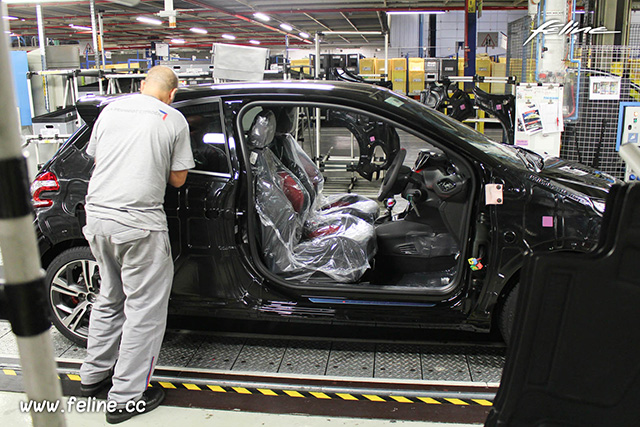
(298, 162)
(296, 243)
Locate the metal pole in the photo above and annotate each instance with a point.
(316, 63)
(386, 50)
(100, 38)
(286, 57)
(317, 110)
(94, 35)
(42, 43)
(24, 289)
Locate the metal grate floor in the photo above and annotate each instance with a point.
(337, 359)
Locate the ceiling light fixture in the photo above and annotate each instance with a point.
(198, 30)
(304, 35)
(262, 17)
(286, 27)
(228, 37)
(80, 27)
(147, 20)
(254, 41)
(178, 41)
(415, 12)
(10, 18)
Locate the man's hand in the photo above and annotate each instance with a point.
(178, 178)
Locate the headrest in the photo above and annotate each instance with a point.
(287, 120)
(263, 129)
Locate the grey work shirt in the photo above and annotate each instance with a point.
(136, 141)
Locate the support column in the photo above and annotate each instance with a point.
(42, 43)
(94, 35)
(470, 21)
(432, 35)
(615, 15)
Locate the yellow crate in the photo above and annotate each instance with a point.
(380, 67)
(617, 68)
(398, 64)
(367, 66)
(416, 82)
(483, 65)
(400, 85)
(498, 70)
(416, 64)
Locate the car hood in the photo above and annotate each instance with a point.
(584, 179)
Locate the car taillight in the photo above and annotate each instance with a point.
(45, 182)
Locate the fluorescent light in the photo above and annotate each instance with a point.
(80, 27)
(286, 27)
(198, 30)
(10, 18)
(578, 11)
(228, 37)
(304, 35)
(254, 41)
(414, 12)
(39, 1)
(178, 41)
(151, 21)
(262, 17)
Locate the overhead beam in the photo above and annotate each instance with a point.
(354, 27)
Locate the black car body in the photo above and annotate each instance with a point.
(541, 205)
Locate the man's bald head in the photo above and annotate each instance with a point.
(161, 82)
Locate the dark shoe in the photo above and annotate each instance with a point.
(152, 398)
(90, 390)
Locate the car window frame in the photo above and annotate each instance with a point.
(210, 100)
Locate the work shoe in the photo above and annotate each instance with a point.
(90, 390)
(152, 398)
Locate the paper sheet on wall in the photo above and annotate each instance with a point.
(539, 121)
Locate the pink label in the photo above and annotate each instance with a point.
(499, 107)
(462, 107)
(372, 138)
(547, 221)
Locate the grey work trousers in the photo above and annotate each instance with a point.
(129, 317)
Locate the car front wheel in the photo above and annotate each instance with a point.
(73, 284)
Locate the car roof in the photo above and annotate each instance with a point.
(90, 106)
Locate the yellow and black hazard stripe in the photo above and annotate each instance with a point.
(302, 394)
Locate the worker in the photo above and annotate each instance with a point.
(140, 144)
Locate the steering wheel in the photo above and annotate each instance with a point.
(390, 178)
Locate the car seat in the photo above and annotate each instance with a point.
(296, 243)
(298, 162)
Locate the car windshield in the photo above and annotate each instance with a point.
(515, 156)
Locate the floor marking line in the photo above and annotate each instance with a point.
(191, 386)
(293, 393)
(430, 400)
(217, 388)
(319, 395)
(241, 390)
(267, 392)
(374, 398)
(346, 396)
(401, 399)
(456, 401)
(166, 384)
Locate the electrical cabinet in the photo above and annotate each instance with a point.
(629, 132)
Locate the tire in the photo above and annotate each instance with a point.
(508, 313)
(73, 284)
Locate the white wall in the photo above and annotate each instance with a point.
(450, 29)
